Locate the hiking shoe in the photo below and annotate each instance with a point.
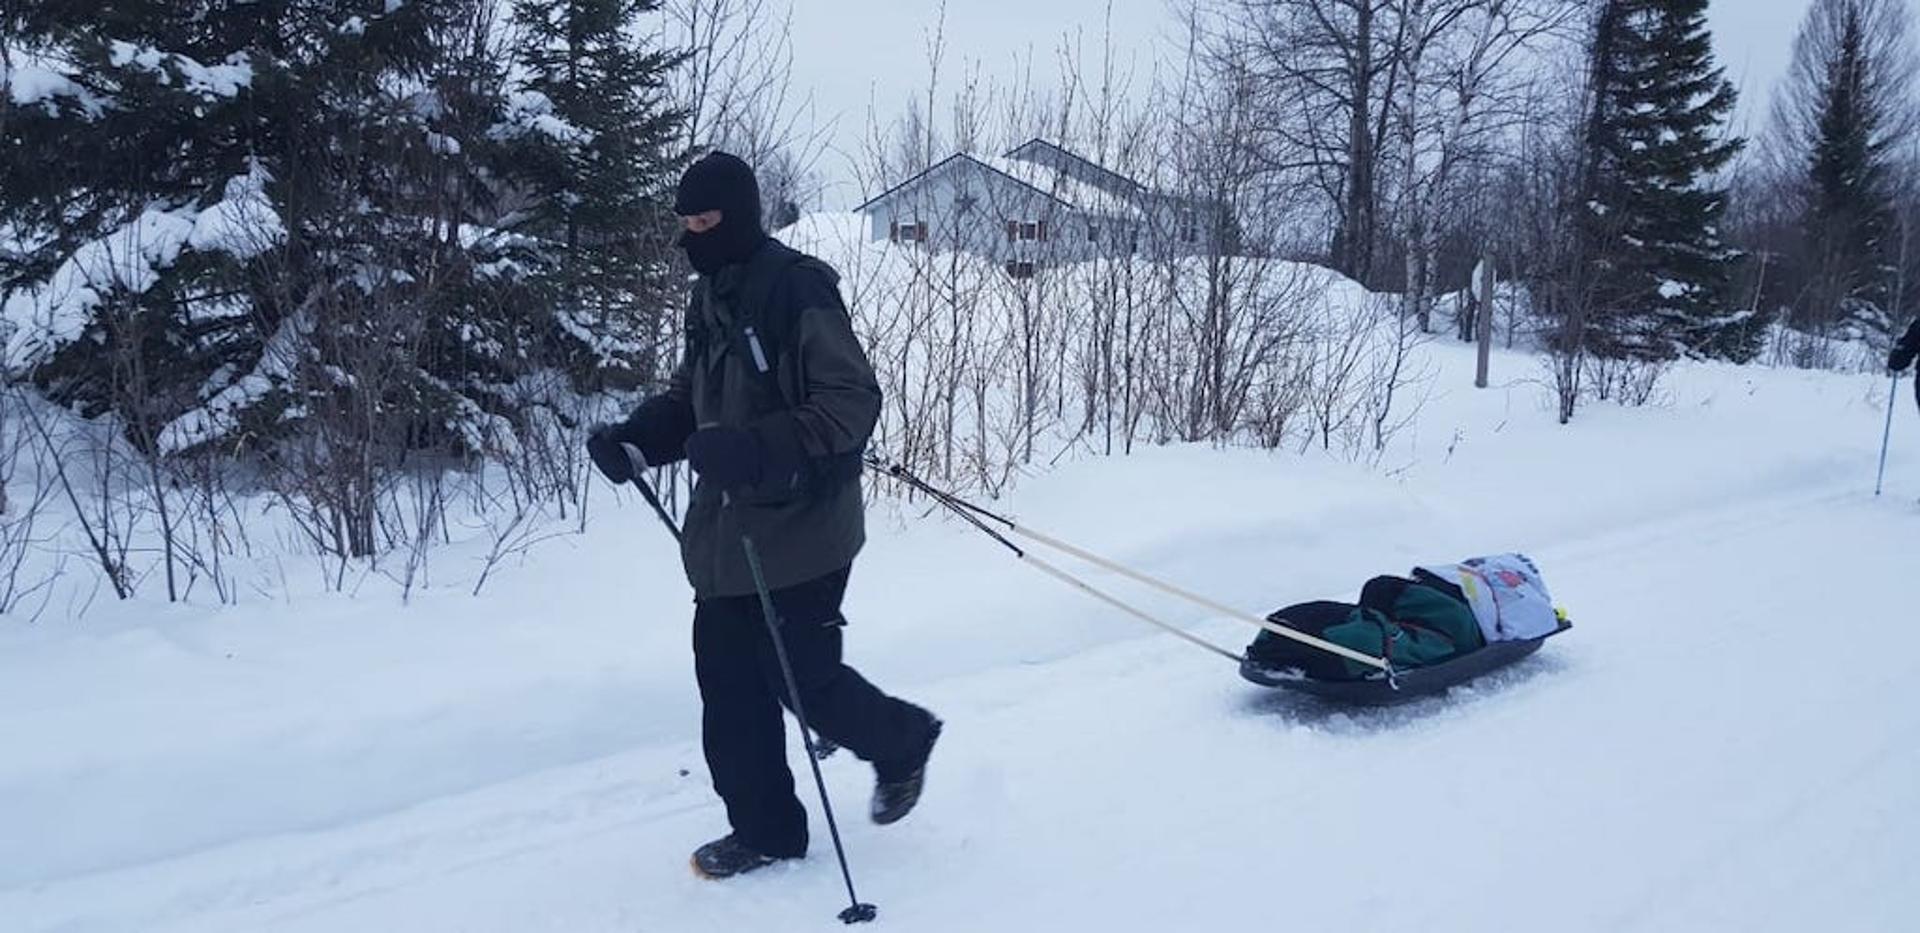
(724, 858)
(893, 800)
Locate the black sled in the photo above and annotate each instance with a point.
(1379, 689)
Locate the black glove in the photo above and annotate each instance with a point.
(606, 445)
(728, 457)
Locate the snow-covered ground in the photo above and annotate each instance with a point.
(1729, 739)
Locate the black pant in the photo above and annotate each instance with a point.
(742, 691)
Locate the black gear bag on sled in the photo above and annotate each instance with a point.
(1439, 627)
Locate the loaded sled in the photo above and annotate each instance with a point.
(1407, 637)
(1437, 628)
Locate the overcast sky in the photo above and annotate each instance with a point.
(853, 53)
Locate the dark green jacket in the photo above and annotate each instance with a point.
(812, 416)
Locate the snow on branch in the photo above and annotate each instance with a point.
(130, 260)
(531, 112)
(31, 85)
(208, 81)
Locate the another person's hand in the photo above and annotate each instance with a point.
(728, 457)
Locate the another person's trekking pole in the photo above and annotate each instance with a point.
(1893, 395)
(856, 912)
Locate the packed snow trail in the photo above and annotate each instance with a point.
(1735, 753)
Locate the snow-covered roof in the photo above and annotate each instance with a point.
(957, 160)
(1038, 150)
(1058, 184)
(1045, 180)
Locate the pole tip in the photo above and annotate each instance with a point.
(859, 913)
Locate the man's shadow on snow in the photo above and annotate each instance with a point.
(1304, 709)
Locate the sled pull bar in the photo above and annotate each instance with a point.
(974, 513)
(1197, 599)
(959, 507)
(1090, 590)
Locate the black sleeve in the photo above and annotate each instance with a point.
(661, 425)
(1906, 349)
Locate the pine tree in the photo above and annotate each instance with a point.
(1651, 218)
(191, 177)
(1849, 218)
(593, 142)
(231, 206)
(250, 225)
(132, 174)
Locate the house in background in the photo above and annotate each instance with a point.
(1038, 204)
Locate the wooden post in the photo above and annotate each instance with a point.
(1483, 328)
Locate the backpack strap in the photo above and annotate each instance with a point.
(763, 333)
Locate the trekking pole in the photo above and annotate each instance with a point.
(1893, 395)
(856, 912)
(646, 490)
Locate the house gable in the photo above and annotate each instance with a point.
(957, 162)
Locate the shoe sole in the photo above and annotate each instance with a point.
(693, 862)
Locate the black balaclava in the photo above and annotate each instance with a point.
(720, 182)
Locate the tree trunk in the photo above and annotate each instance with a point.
(1356, 234)
(1483, 323)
